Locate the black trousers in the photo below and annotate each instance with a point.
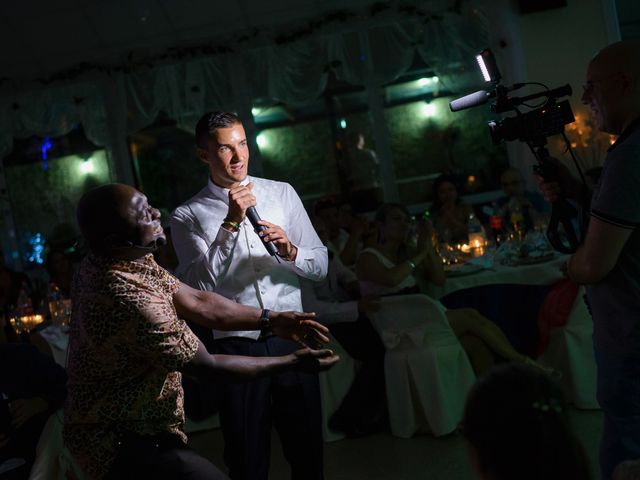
(364, 408)
(290, 401)
(161, 456)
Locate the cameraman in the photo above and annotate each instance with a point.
(608, 261)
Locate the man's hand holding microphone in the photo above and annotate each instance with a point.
(242, 203)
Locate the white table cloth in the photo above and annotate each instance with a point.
(544, 273)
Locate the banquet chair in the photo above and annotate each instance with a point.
(427, 373)
(53, 460)
(570, 351)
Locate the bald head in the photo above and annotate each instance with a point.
(613, 86)
(621, 56)
(102, 213)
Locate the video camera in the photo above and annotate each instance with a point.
(532, 127)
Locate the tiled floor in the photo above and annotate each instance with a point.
(384, 457)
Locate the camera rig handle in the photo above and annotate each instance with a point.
(562, 212)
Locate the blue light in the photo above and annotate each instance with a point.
(36, 243)
(44, 148)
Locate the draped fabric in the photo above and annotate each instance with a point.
(53, 111)
(373, 52)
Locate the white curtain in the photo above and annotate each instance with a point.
(293, 73)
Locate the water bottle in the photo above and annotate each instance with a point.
(476, 234)
(496, 222)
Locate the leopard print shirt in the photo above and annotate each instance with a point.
(126, 347)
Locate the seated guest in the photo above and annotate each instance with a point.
(32, 386)
(11, 284)
(60, 271)
(518, 205)
(390, 268)
(346, 243)
(449, 215)
(124, 411)
(337, 303)
(516, 421)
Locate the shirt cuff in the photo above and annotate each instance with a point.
(225, 240)
(302, 256)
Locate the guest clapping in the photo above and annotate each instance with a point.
(392, 268)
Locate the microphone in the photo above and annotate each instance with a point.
(472, 100)
(254, 218)
(482, 96)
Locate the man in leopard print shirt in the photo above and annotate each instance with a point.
(124, 414)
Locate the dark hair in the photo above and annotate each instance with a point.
(210, 122)
(48, 263)
(437, 205)
(516, 419)
(384, 210)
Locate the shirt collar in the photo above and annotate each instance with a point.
(632, 127)
(221, 192)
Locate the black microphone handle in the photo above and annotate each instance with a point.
(254, 218)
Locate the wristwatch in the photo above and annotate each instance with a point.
(265, 324)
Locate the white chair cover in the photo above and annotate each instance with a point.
(53, 460)
(570, 351)
(427, 372)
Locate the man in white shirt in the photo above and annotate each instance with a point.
(218, 249)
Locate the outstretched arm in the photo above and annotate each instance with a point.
(215, 311)
(204, 364)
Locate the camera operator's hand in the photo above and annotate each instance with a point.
(563, 184)
(312, 361)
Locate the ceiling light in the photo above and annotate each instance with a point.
(86, 166)
(428, 110)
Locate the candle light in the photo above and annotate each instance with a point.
(26, 323)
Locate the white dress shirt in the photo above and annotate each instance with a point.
(236, 265)
(328, 298)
